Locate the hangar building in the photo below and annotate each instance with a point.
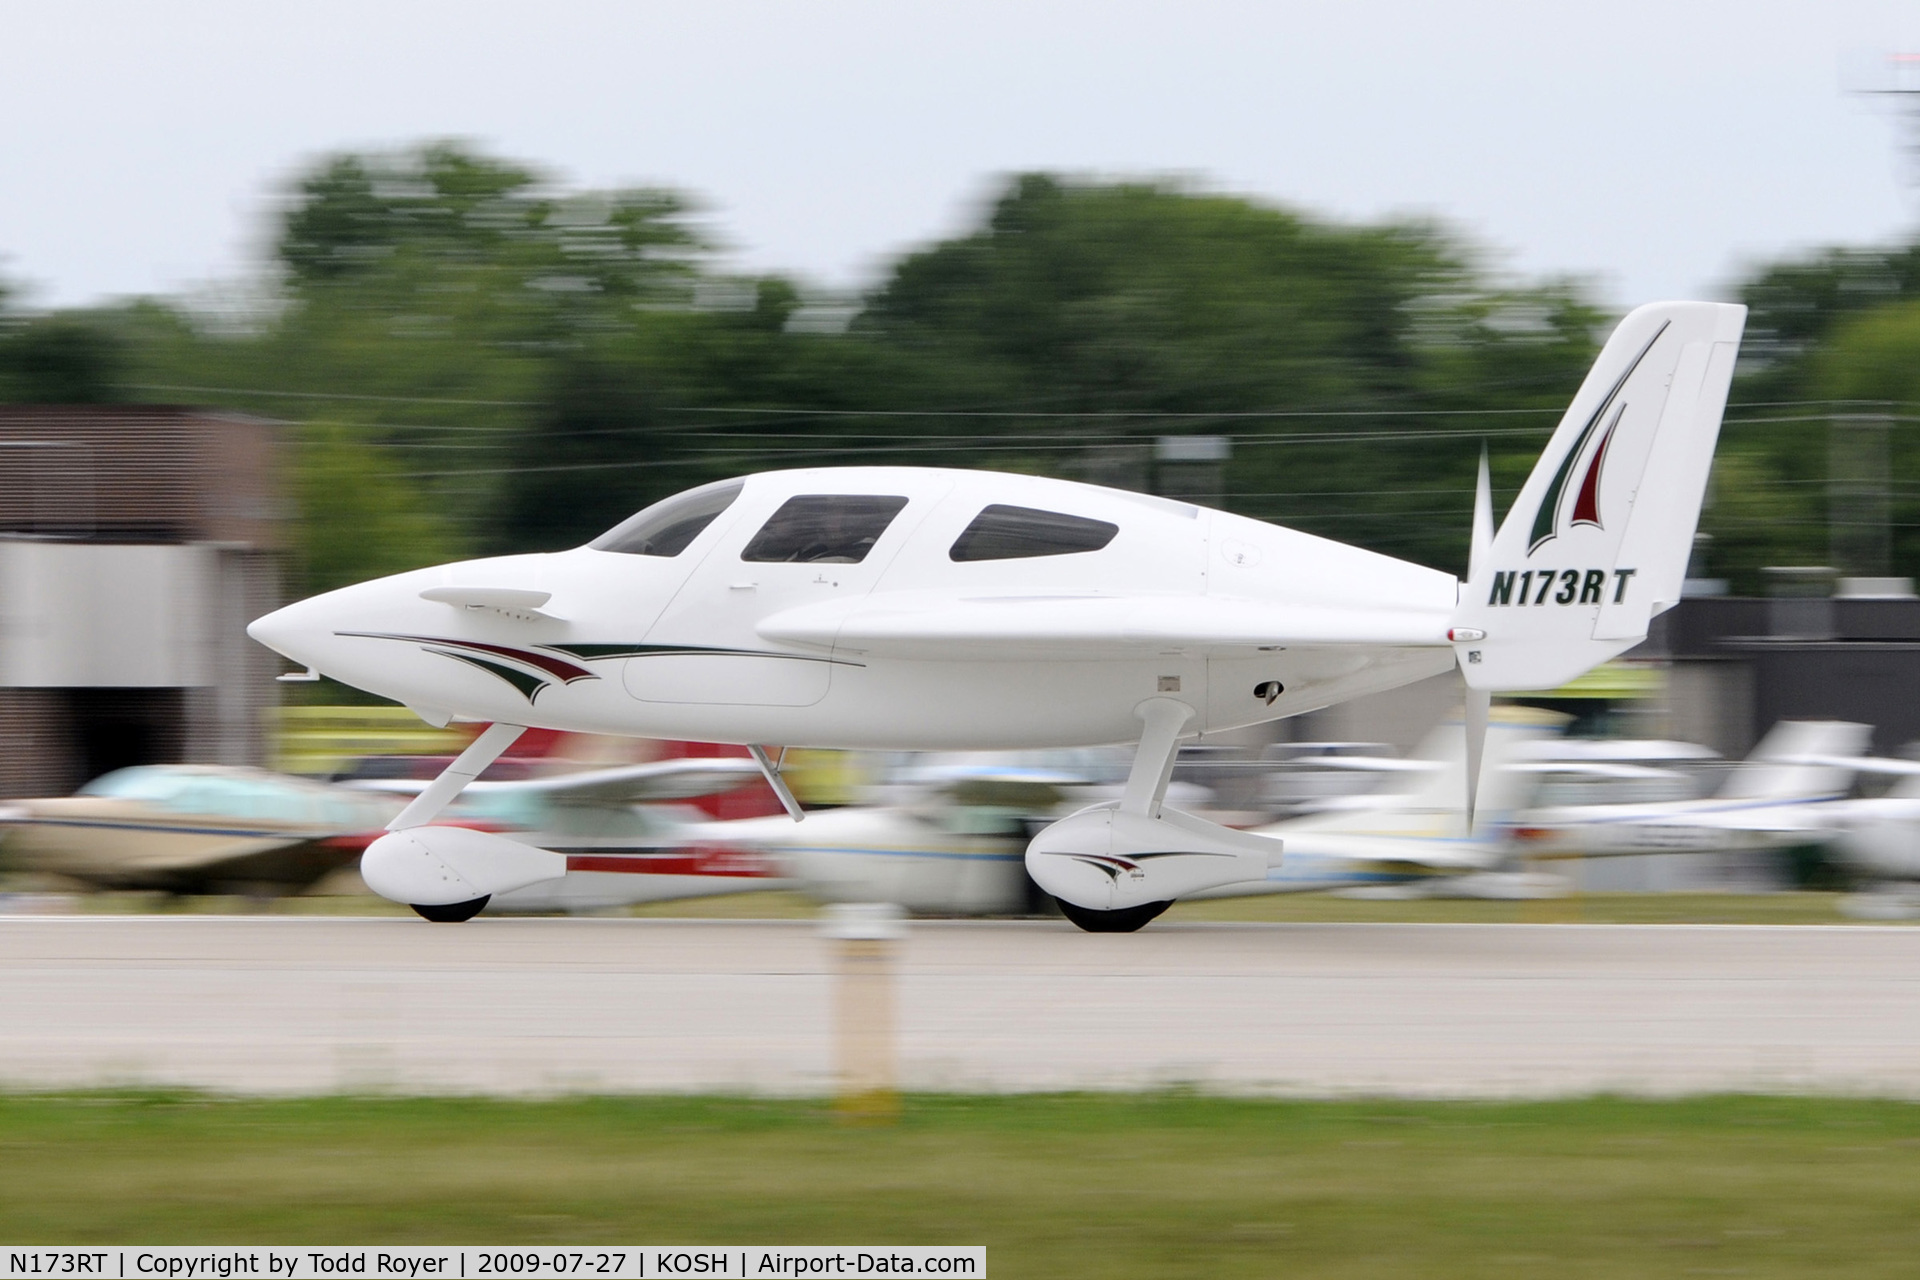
(136, 541)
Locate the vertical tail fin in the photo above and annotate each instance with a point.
(1598, 540)
(1780, 768)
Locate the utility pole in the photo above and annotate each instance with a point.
(1859, 506)
(1897, 83)
(1859, 458)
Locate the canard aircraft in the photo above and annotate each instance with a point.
(900, 607)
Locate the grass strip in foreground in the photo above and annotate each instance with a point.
(1076, 1185)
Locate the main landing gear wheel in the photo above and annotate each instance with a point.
(455, 912)
(1125, 920)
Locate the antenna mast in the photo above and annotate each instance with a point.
(1898, 84)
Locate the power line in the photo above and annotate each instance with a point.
(860, 447)
(925, 441)
(813, 411)
(330, 395)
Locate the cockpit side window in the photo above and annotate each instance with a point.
(668, 526)
(824, 528)
(1002, 532)
(141, 782)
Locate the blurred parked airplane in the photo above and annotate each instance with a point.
(954, 844)
(1877, 838)
(1581, 771)
(903, 608)
(949, 838)
(958, 846)
(1782, 794)
(191, 829)
(1418, 836)
(622, 841)
(194, 829)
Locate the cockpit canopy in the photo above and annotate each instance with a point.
(669, 526)
(258, 797)
(1003, 532)
(841, 528)
(823, 528)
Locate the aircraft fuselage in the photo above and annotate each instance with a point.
(890, 607)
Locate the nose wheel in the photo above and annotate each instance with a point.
(457, 912)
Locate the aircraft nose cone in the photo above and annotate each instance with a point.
(276, 630)
(300, 631)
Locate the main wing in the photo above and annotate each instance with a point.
(658, 780)
(1810, 816)
(934, 625)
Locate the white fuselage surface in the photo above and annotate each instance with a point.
(891, 607)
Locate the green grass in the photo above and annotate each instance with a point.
(1104, 1186)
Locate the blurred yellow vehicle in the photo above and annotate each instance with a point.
(194, 829)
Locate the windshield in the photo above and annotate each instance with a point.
(145, 783)
(219, 795)
(668, 527)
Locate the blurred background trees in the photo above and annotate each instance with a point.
(475, 359)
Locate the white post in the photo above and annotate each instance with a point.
(866, 939)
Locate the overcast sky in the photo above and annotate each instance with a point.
(1650, 145)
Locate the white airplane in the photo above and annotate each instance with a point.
(952, 843)
(186, 828)
(193, 829)
(1423, 836)
(950, 838)
(897, 607)
(958, 846)
(1784, 793)
(1877, 838)
(623, 839)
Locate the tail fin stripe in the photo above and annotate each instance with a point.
(1543, 519)
(1586, 507)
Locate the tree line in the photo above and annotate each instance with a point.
(472, 358)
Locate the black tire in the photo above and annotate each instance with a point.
(454, 912)
(1125, 920)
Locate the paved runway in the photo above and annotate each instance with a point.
(272, 1004)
